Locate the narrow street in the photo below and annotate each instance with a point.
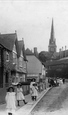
(56, 99)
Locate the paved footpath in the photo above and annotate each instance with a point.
(24, 109)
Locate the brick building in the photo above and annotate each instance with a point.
(11, 59)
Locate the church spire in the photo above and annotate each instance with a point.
(52, 40)
(52, 31)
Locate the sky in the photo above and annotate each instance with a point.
(32, 20)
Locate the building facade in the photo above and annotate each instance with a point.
(35, 69)
(12, 63)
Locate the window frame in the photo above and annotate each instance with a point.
(7, 56)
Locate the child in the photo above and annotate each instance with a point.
(31, 88)
(20, 95)
(35, 92)
(32, 82)
(10, 100)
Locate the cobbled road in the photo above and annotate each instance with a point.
(55, 99)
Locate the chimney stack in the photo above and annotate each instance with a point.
(60, 52)
(35, 51)
(62, 48)
(15, 31)
(65, 47)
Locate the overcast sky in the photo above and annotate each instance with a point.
(32, 20)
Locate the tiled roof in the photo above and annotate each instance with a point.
(65, 58)
(56, 54)
(29, 52)
(8, 41)
(56, 62)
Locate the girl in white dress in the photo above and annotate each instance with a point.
(10, 100)
(35, 92)
(20, 95)
(31, 87)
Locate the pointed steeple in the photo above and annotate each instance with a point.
(52, 40)
(52, 31)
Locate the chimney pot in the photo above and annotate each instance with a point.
(15, 31)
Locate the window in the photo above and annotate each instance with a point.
(14, 55)
(24, 65)
(20, 62)
(23, 78)
(7, 56)
(6, 78)
(14, 58)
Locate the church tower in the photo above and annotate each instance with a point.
(52, 41)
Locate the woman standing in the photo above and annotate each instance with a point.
(20, 95)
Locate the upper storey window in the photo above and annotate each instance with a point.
(14, 55)
(21, 60)
(7, 56)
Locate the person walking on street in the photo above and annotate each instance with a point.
(32, 82)
(10, 99)
(35, 92)
(31, 88)
(20, 95)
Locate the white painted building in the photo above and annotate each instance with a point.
(35, 69)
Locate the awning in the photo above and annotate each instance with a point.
(21, 83)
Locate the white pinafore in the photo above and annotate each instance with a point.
(20, 95)
(10, 100)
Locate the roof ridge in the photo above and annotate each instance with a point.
(7, 33)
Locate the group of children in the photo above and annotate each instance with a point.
(13, 97)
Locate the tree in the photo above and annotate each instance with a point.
(44, 56)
